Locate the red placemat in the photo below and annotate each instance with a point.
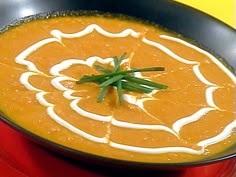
(19, 157)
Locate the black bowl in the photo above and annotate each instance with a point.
(207, 31)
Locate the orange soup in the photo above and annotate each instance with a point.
(41, 60)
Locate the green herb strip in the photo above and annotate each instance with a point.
(122, 79)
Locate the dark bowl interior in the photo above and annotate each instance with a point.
(207, 31)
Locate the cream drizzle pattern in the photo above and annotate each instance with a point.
(68, 93)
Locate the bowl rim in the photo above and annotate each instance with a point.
(96, 159)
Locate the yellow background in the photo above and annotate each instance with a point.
(225, 10)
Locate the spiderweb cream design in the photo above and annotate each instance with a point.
(68, 93)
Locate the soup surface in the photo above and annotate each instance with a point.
(41, 60)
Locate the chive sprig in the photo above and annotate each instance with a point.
(122, 79)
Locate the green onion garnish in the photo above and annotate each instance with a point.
(122, 79)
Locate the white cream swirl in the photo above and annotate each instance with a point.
(56, 82)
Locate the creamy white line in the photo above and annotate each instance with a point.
(23, 55)
(67, 93)
(76, 108)
(168, 51)
(223, 135)
(51, 112)
(142, 126)
(94, 27)
(56, 69)
(214, 59)
(194, 117)
(56, 82)
(196, 69)
(24, 80)
(156, 150)
(209, 97)
(200, 76)
(59, 120)
(42, 100)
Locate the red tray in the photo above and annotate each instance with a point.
(19, 157)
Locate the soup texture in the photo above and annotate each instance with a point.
(41, 60)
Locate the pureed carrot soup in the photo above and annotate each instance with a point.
(182, 110)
